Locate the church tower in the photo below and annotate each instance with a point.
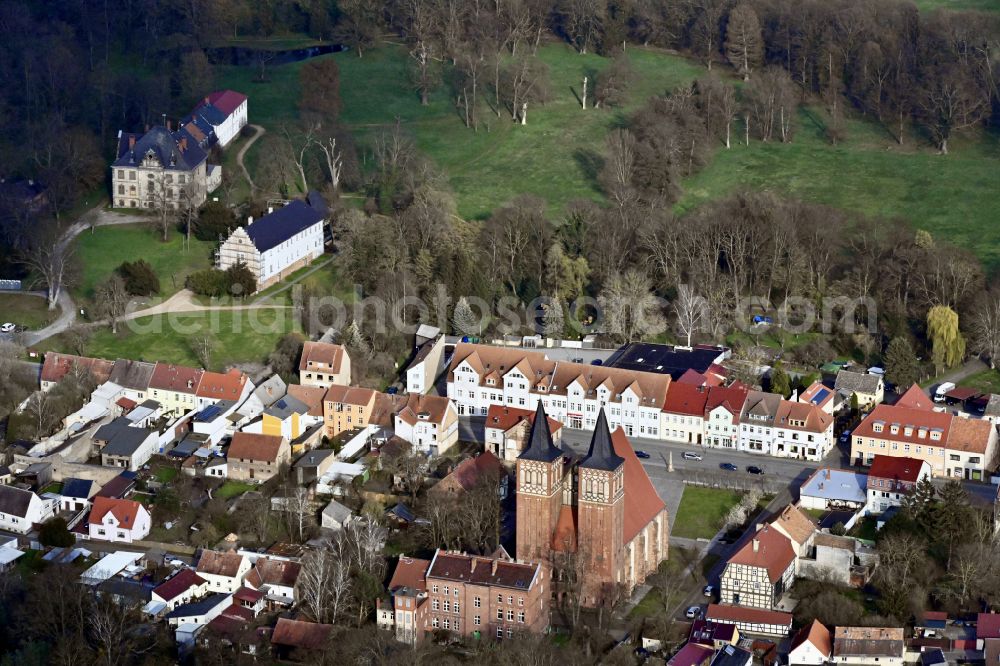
(539, 491)
(601, 513)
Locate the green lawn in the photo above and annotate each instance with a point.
(987, 381)
(952, 196)
(553, 156)
(238, 336)
(231, 489)
(165, 474)
(28, 310)
(979, 5)
(101, 251)
(702, 511)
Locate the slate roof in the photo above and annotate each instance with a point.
(286, 406)
(275, 228)
(200, 607)
(601, 454)
(14, 501)
(122, 438)
(540, 447)
(857, 382)
(313, 458)
(732, 656)
(270, 390)
(337, 511)
(77, 488)
(168, 148)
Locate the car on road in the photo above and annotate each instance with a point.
(7, 327)
(845, 437)
(708, 591)
(641, 454)
(753, 469)
(691, 455)
(693, 612)
(729, 467)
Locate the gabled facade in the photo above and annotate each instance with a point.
(256, 458)
(507, 429)
(428, 422)
(324, 364)
(175, 387)
(812, 646)
(224, 571)
(20, 509)
(347, 408)
(891, 480)
(161, 168)
(760, 572)
(723, 408)
(118, 520)
(683, 417)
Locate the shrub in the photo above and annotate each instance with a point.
(55, 532)
(208, 282)
(215, 221)
(240, 280)
(140, 278)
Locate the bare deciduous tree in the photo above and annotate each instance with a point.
(689, 308)
(49, 257)
(112, 300)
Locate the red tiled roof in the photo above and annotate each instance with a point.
(774, 553)
(248, 594)
(126, 403)
(691, 377)
(180, 378)
(468, 472)
(223, 386)
(905, 417)
(298, 634)
(746, 615)
(896, 468)
(268, 571)
(642, 502)
(434, 407)
(410, 572)
(312, 396)
(252, 446)
(504, 418)
(124, 511)
(220, 564)
(692, 654)
(177, 585)
(731, 397)
(686, 399)
(915, 398)
(226, 101)
(969, 435)
(56, 366)
(315, 353)
(988, 625)
(351, 395)
(482, 570)
(817, 634)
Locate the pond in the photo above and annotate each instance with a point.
(243, 56)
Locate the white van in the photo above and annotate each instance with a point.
(942, 389)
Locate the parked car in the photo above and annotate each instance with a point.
(708, 591)
(693, 613)
(691, 455)
(729, 467)
(641, 454)
(8, 327)
(845, 437)
(753, 469)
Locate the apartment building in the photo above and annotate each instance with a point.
(324, 364)
(347, 408)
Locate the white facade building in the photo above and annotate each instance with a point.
(20, 509)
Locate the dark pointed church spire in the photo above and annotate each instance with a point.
(602, 452)
(540, 446)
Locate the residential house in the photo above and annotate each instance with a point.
(279, 243)
(199, 612)
(407, 615)
(797, 526)
(716, 635)
(819, 395)
(182, 588)
(296, 639)
(347, 408)
(723, 409)
(224, 571)
(692, 654)
(56, 366)
(953, 446)
(232, 387)
(220, 116)
(335, 516)
(802, 430)
(507, 428)
(812, 646)
(840, 559)
(486, 596)
(266, 394)
(122, 444)
(756, 621)
(427, 364)
(468, 474)
(683, 416)
(988, 635)
(22, 509)
(572, 393)
(256, 458)
(830, 489)
(758, 421)
(428, 422)
(9, 553)
(324, 364)
(760, 572)
(175, 387)
(890, 480)
(731, 655)
(118, 520)
(873, 646)
(77, 493)
(133, 377)
(288, 417)
(867, 389)
(276, 579)
(160, 169)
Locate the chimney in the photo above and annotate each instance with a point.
(494, 572)
(249, 219)
(828, 473)
(756, 545)
(474, 562)
(270, 209)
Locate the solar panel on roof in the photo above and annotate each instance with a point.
(820, 396)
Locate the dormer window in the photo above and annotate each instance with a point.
(894, 429)
(908, 431)
(877, 427)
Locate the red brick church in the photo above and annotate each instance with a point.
(601, 509)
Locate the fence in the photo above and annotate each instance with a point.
(10, 285)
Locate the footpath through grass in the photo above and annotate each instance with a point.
(702, 511)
